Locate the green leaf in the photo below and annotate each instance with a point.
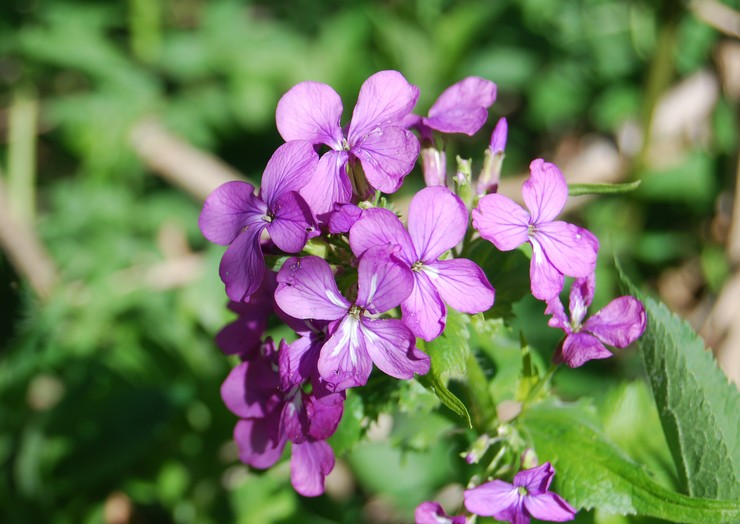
(602, 189)
(593, 473)
(449, 353)
(275, 262)
(698, 406)
(508, 273)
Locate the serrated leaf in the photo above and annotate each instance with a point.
(698, 406)
(508, 273)
(602, 189)
(593, 473)
(449, 354)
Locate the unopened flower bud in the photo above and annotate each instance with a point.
(494, 158)
(529, 459)
(434, 166)
(477, 450)
(462, 180)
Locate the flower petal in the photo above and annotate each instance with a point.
(423, 311)
(310, 463)
(228, 210)
(344, 362)
(437, 222)
(292, 224)
(387, 155)
(430, 512)
(581, 295)
(291, 167)
(310, 111)
(545, 191)
(343, 218)
(497, 499)
(462, 107)
(383, 281)
(619, 323)
(259, 441)
(324, 414)
(392, 347)
(499, 135)
(330, 184)
(559, 319)
(249, 390)
(550, 507)
(378, 227)
(571, 249)
(242, 267)
(501, 221)
(579, 348)
(535, 480)
(385, 99)
(298, 361)
(545, 280)
(307, 289)
(461, 284)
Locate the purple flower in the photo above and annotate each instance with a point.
(619, 323)
(494, 158)
(312, 111)
(271, 416)
(437, 222)
(527, 497)
(299, 359)
(234, 216)
(343, 218)
(306, 289)
(558, 248)
(431, 512)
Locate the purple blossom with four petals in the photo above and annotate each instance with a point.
(357, 339)
(437, 222)
(271, 416)
(312, 111)
(618, 324)
(558, 248)
(234, 216)
(527, 497)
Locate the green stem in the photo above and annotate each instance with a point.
(483, 407)
(545, 380)
(22, 154)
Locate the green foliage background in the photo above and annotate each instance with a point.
(110, 390)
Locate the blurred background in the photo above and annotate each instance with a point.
(118, 117)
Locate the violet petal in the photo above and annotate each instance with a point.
(581, 295)
(497, 499)
(383, 281)
(259, 442)
(423, 311)
(343, 218)
(437, 222)
(392, 347)
(619, 323)
(387, 155)
(329, 185)
(379, 227)
(579, 348)
(462, 284)
(545, 280)
(535, 480)
(501, 221)
(385, 99)
(545, 191)
(228, 210)
(292, 222)
(307, 289)
(242, 267)
(549, 506)
(310, 111)
(344, 361)
(310, 463)
(290, 167)
(462, 107)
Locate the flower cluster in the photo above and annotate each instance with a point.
(358, 286)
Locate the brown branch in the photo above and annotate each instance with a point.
(178, 162)
(25, 251)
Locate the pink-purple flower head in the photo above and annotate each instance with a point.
(357, 338)
(234, 216)
(376, 138)
(558, 248)
(527, 497)
(437, 222)
(270, 416)
(618, 324)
